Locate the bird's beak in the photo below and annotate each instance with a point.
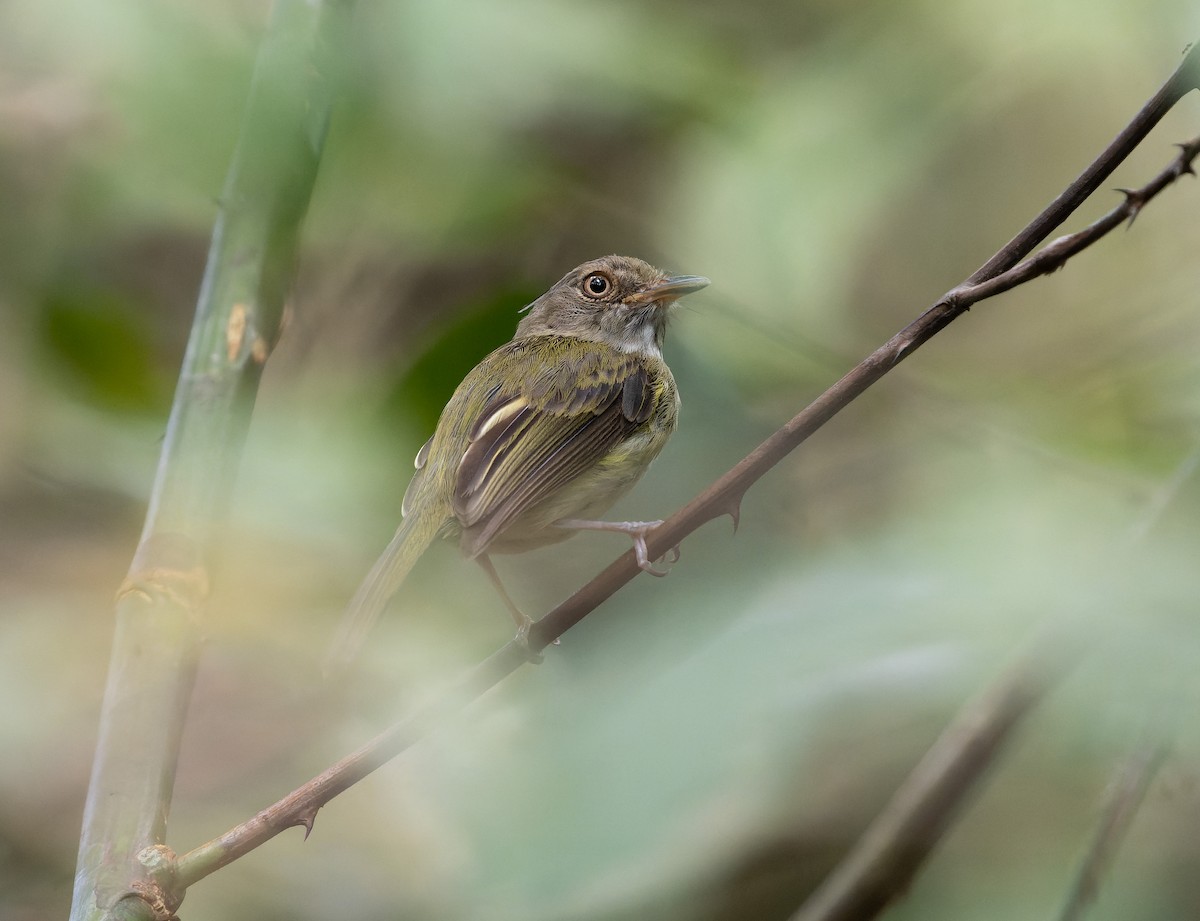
(670, 289)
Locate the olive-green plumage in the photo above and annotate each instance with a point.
(557, 424)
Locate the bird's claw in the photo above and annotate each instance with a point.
(636, 530)
(522, 640)
(642, 553)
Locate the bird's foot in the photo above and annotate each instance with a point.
(637, 531)
(523, 621)
(532, 656)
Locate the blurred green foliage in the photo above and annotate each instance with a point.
(427, 383)
(705, 745)
(100, 342)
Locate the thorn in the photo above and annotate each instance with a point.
(1134, 201)
(1187, 153)
(735, 513)
(307, 819)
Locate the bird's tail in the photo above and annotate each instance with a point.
(412, 539)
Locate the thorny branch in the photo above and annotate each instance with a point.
(1002, 272)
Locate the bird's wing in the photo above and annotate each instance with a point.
(569, 406)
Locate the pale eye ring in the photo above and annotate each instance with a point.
(597, 285)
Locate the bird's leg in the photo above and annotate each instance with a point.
(637, 531)
(520, 618)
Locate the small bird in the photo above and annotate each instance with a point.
(543, 435)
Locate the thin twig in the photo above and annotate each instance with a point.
(124, 869)
(885, 859)
(722, 497)
(1126, 794)
(1185, 79)
(299, 808)
(1055, 255)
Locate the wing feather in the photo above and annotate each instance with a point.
(570, 406)
(415, 483)
(487, 441)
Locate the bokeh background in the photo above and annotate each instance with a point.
(706, 745)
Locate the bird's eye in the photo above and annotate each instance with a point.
(597, 285)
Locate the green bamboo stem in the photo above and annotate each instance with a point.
(124, 869)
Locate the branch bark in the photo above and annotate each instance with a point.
(1000, 273)
(885, 859)
(124, 869)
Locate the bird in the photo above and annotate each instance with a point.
(542, 436)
